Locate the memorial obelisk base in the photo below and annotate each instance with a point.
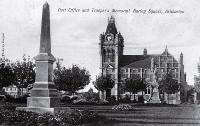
(44, 96)
(155, 96)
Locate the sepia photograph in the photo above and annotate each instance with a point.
(99, 63)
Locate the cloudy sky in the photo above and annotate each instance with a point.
(75, 35)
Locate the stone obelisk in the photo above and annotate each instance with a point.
(44, 96)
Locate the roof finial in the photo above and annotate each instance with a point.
(112, 19)
(145, 52)
(166, 49)
(181, 54)
(46, 2)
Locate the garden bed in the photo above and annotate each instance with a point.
(10, 116)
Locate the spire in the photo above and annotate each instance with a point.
(181, 54)
(45, 40)
(166, 53)
(198, 66)
(111, 28)
(112, 19)
(181, 58)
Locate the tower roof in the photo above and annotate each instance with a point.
(181, 54)
(166, 51)
(111, 28)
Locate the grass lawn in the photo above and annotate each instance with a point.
(157, 116)
(143, 115)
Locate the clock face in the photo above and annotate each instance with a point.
(109, 38)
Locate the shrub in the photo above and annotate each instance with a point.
(9, 107)
(11, 116)
(75, 117)
(125, 99)
(141, 99)
(87, 98)
(103, 102)
(91, 97)
(80, 102)
(1, 97)
(112, 100)
(20, 99)
(122, 107)
(65, 99)
(74, 98)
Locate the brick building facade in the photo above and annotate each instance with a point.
(120, 66)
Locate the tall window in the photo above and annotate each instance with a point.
(147, 91)
(113, 55)
(109, 54)
(104, 55)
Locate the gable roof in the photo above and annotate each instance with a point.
(110, 66)
(138, 61)
(127, 59)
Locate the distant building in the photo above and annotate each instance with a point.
(197, 85)
(14, 91)
(120, 67)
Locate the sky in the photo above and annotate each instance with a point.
(75, 34)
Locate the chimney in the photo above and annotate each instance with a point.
(145, 52)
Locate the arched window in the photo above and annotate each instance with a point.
(113, 55)
(104, 55)
(148, 90)
(108, 54)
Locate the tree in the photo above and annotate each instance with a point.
(24, 73)
(60, 74)
(190, 94)
(71, 79)
(197, 85)
(169, 85)
(104, 83)
(6, 75)
(91, 96)
(133, 84)
(142, 86)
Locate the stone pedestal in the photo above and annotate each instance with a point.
(102, 95)
(114, 90)
(155, 96)
(44, 96)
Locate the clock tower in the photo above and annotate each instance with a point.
(111, 49)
